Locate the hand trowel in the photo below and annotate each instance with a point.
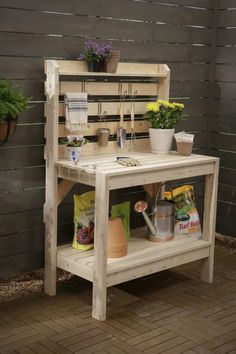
(121, 132)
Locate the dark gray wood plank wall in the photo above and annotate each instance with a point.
(177, 32)
(224, 133)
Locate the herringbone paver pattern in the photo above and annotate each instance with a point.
(171, 312)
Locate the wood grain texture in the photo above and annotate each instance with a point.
(130, 10)
(70, 47)
(16, 21)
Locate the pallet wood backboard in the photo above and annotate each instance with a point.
(105, 91)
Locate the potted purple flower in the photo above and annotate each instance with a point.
(96, 55)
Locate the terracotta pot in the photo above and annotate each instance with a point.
(117, 244)
(7, 128)
(113, 61)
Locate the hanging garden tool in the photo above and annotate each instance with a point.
(121, 132)
(103, 132)
(132, 118)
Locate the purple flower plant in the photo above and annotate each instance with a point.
(94, 51)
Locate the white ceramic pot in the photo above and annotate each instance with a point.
(161, 140)
(73, 153)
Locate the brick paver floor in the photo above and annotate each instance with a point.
(170, 312)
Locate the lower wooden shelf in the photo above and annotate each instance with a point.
(144, 257)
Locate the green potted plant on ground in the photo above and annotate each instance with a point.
(163, 116)
(74, 144)
(12, 103)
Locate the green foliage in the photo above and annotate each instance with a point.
(74, 141)
(12, 101)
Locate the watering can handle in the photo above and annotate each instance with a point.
(159, 189)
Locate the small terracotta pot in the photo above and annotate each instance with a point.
(113, 61)
(117, 244)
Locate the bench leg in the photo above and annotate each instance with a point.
(100, 248)
(209, 221)
(50, 249)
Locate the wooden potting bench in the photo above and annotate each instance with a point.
(98, 168)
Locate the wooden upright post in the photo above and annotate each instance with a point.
(100, 247)
(51, 153)
(164, 89)
(209, 221)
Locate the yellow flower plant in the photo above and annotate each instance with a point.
(163, 114)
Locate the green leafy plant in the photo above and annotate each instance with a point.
(74, 141)
(12, 101)
(163, 114)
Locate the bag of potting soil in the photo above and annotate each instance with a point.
(187, 221)
(84, 210)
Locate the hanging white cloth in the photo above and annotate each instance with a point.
(76, 111)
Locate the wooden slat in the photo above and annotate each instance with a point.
(33, 115)
(20, 263)
(25, 220)
(18, 179)
(192, 106)
(14, 20)
(140, 254)
(26, 135)
(21, 156)
(131, 10)
(54, 46)
(225, 72)
(226, 36)
(225, 90)
(227, 17)
(142, 145)
(23, 200)
(224, 4)
(226, 55)
(110, 89)
(132, 69)
(32, 68)
(32, 240)
(139, 127)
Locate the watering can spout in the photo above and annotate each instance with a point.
(140, 207)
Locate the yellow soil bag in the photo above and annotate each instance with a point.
(84, 210)
(187, 221)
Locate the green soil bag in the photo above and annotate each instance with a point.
(122, 210)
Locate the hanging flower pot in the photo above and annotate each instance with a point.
(12, 103)
(7, 128)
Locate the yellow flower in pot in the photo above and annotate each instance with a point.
(163, 116)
